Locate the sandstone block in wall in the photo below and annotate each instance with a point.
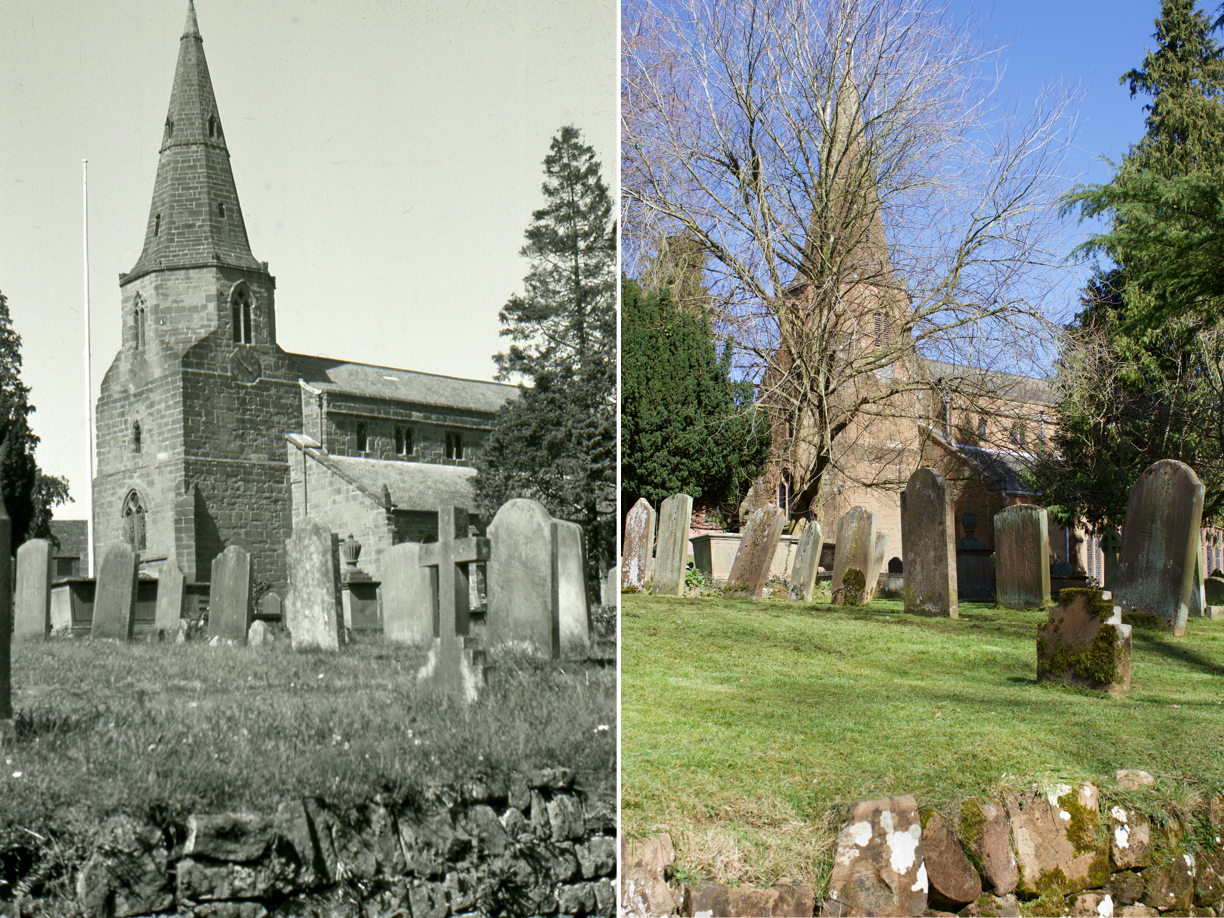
(1092, 905)
(878, 868)
(1054, 830)
(228, 836)
(597, 857)
(482, 824)
(1209, 879)
(986, 834)
(128, 873)
(643, 883)
(576, 899)
(952, 881)
(202, 881)
(428, 900)
(1130, 838)
(719, 901)
(565, 817)
(1126, 888)
(1169, 887)
(993, 906)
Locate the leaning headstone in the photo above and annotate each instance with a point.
(758, 544)
(639, 543)
(573, 613)
(802, 585)
(879, 867)
(856, 538)
(230, 609)
(671, 550)
(1111, 544)
(32, 604)
(522, 582)
(1198, 591)
(313, 612)
(877, 565)
(1159, 544)
(115, 599)
(1022, 551)
(407, 596)
(171, 593)
(927, 538)
(1085, 643)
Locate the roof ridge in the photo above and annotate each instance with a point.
(379, 366)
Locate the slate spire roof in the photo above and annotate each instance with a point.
(195, 218)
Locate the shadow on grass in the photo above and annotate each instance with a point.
(1149, 641)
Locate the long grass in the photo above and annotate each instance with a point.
(748, 727)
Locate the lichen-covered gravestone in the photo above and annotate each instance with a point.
(171, 591)
(313, 613)
(407, 596)
(879, 868)
(1022, 552)
(1085, 643)
(639, 543)
(758, 544)
(1111, 544)
(807, 560)
(522, 580)
(573, 612)
(877, 565)
(32, 604)
(115, 598)
(856, 538)
(230, 608)
(1159, 544)
(928, 556)
(671, 550)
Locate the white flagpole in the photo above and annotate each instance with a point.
(88, 381)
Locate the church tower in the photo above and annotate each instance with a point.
(193, 410)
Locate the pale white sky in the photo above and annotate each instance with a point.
(388, 156)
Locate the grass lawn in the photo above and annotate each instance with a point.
(162, 731)
(747, 727)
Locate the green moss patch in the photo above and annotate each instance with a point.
(853, 584)
(1098, 663)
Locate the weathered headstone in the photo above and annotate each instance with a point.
(608, 587)
(927, 538)
(802, 585)
(115, 599)
(407, 596)
(1159, 544)
(877, 565)
(1111, 544)
(313, 612)
(171, 592)
(6, 627)
(270, 607)
(454, 668)
(230, 609)
(758, 543)
(671, 549)
(638, 549)
(1198, 591)
(522, 589)
(32, 604)
(573, 613)
(856, 538)
(1022, 551)
(1085, 643)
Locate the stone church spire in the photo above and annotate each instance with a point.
(195, 218)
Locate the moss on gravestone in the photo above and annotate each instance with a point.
(853, 584)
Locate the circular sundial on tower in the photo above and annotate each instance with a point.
(245, 365)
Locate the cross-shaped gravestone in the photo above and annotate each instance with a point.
(1111, 544)
(453, 667)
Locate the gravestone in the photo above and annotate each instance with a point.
(1085, 643)
(573, 613)
(802, 585)
(1159, 544)
(313, 613)
(1022, 551)
(522, 588)
(671, 549)
(877, 566)
(608, 587)
(638, 549)
(32, 603)
(856, 538)
(454, 668)
(928, 529)
(1111, 544)
(407, 596)
(7, 732)
(171, 593)
(270, 607)
(115, 599)
(1198, 592)
(230, 609)
(758, 543)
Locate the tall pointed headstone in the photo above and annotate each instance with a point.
(757, 547)
(230, 606)
(115, 598)
(569, 564)
(856, 542)
(671, 550)
(802, 584)
(928, 531)
(313, 612)
(638, 548)
(522, 578)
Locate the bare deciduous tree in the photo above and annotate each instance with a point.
(863, 203)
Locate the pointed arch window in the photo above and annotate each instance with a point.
(134, 521)
(240, 308)
(221, 209)
(212, 126)
(362, 439)
(157, 225)
(981, 428)
(137, 438)
(786, 492)
(140, 315)
(883, 329)
(169, 127)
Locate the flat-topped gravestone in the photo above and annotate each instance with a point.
(32, 603)
(877, 566)
(639, 543)
(1022, 552)
(758, 543)
(1085, 643)
(573, 613)
(802, 584)
(671, 549)
(171, 592)
(856, 538)
(927, 546)
(115, 598)
(407, 596)
(1111, 544)
(1159, 544)
(313, 613)
(522, 589)
(230, 609)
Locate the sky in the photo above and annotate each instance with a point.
(388, 156)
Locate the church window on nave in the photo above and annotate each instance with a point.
(134, 521)
(883, 329)
(403, 441)
(137, 441)
(1017, 434)
(981, 428)
(785, 495)
(362, 440)
(240, 308)
(454, 445)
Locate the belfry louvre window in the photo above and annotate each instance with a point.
(454, 445)
(241, 314)
(362, 440)
(140, 314)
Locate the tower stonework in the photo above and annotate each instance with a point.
(193, 410)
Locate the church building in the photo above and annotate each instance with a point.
(209, 434)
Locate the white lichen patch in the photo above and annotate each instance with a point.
(1064, 815)
(920, 884)
(1122, 836)
(903, 847)
(886, 820)
(1105, 907)
(860, 832)
(1118, 813)
(1189, 859)
(1053, 793)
